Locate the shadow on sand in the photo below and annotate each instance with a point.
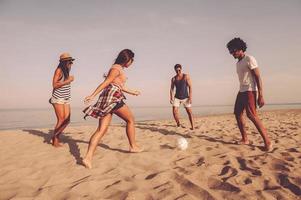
(156, 128)
(72, 143)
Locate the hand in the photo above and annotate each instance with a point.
(70, 78)
(260, 101)
(171, 101)
(136, 93)
(189, 100)
(88, 99)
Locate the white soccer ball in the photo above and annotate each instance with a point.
(182, 143)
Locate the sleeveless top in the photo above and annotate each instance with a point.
(121, 79)
(181, 88)
(63, 92)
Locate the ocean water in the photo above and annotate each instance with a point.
(45, 118)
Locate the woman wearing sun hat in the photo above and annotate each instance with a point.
(61, 95)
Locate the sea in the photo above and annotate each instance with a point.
(45, 117)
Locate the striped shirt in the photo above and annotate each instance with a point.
(63, 92)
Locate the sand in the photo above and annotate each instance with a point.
(213, 166)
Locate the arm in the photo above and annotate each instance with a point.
(256, 74)
(189, 87)
(129, 91)
(113, 73)
(171, 93)
(56, 83)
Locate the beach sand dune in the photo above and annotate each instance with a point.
(213, 166)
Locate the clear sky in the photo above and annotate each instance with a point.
(162, 33)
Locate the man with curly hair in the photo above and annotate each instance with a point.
(250, 86)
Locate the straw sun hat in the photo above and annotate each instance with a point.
(66, 57)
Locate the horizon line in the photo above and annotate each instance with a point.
(159, 106)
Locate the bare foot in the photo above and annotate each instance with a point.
(180, 126)
(135, 149)
(87, 163)
(56, 142)
(245, 142)
(268, 147)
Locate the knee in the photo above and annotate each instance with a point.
(60, 120)
(101, 131)
(251, 116)
(130, 120)
(66, 120)
(238, 116)
(189, 111)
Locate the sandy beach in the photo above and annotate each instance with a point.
(213, 166)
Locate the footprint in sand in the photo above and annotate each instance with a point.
(228, 170)
(216, 184)
(164, 190)
(294, 150)
(285, 182)
(209, 148)
(269, 185)
(115, 183)
(286, 156)
(243, 166)
(151, 176)
(279, 165)
(248, 181)
(188, 162)
(192, 189)
(166, 146)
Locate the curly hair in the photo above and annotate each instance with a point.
(238, 44)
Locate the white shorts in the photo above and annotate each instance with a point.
(53, 100)
(178, 102)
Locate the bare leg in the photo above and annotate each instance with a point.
(67, 114)
(61, 124)
(95, 138)
(257, 122)
(189, 112)
(66, 122)
(241, 125)
(175, 111)
(125, 113)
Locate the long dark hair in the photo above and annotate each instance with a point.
(63, 66)
(124, 57)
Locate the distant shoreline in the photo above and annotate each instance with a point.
(94, 122)
(165, 106)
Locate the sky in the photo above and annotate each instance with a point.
(162, 33)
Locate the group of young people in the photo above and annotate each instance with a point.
(111, 98)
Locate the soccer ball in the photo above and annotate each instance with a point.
(182, 143)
